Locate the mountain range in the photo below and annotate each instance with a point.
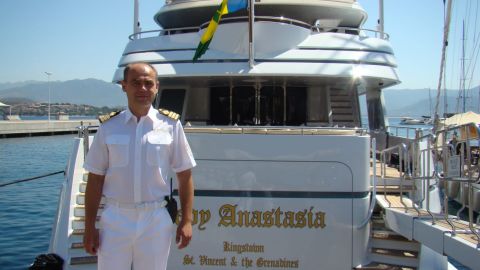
(89, 91)
(418, 102)
(399, 102)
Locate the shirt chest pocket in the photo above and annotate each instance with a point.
(117, 150)
(158, 148)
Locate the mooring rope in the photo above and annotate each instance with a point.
(29, 179)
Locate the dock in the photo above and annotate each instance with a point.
(27, 128)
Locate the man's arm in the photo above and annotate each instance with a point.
(93, 195)
(185, 191)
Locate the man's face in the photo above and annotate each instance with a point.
(141, 86)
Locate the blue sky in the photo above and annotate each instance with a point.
(84, 39)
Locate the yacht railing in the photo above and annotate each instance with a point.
(403, 169)
(423, 171)
(407, 132)
(432, 158)
(163, 32)
(314, 28)
(459, 166)
(261, 19)
(84, 133)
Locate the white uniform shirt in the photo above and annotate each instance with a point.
(136, 158)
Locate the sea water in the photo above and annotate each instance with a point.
(28, 209)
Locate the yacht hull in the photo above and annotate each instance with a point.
(254, 201)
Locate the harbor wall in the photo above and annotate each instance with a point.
(25, 128)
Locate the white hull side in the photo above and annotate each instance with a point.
(313, 175)
(62, 228)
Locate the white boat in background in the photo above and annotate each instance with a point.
(286, 176)
(411, 121)
(425, 120)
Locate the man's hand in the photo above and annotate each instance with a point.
(185, 191)
(93, 195)
(184, 234)
(91, 241)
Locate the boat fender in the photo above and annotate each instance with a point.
(49, 261)
(170, 114)
(105, 117)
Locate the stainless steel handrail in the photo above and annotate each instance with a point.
(160, 32)
(346, 30)
(422, 171)
(262, 18)
(395, 130)
(402, 151)
(441, 176)
(313, 28)
(84, 133)
(467, 169)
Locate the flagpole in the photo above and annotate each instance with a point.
(251, 19)
(381, 23)
(136, 22)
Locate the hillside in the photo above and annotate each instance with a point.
(410, 102)
(9, 85)
(40, 109)
(90, 91)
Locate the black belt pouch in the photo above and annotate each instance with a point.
(172, 207)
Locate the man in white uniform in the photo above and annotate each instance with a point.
(128, 162)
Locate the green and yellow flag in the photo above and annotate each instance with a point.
(226, 7)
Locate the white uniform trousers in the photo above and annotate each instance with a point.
(134, 237)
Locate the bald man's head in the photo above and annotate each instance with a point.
(136, 64)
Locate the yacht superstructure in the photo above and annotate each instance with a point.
(287, 172)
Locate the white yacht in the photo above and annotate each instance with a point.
(424, 120)
(288, 175)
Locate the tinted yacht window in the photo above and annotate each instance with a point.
(296, 106)
(172, 100)
(220, 105)
(243, 105)
(271, 106)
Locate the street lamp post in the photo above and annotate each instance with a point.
(48, 78)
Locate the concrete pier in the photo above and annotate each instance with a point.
(25, 128)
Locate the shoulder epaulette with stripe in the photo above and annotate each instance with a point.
(104, 118)
(170, 114)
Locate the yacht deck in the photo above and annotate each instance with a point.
(432, 230)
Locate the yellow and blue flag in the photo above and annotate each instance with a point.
(226, 7)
